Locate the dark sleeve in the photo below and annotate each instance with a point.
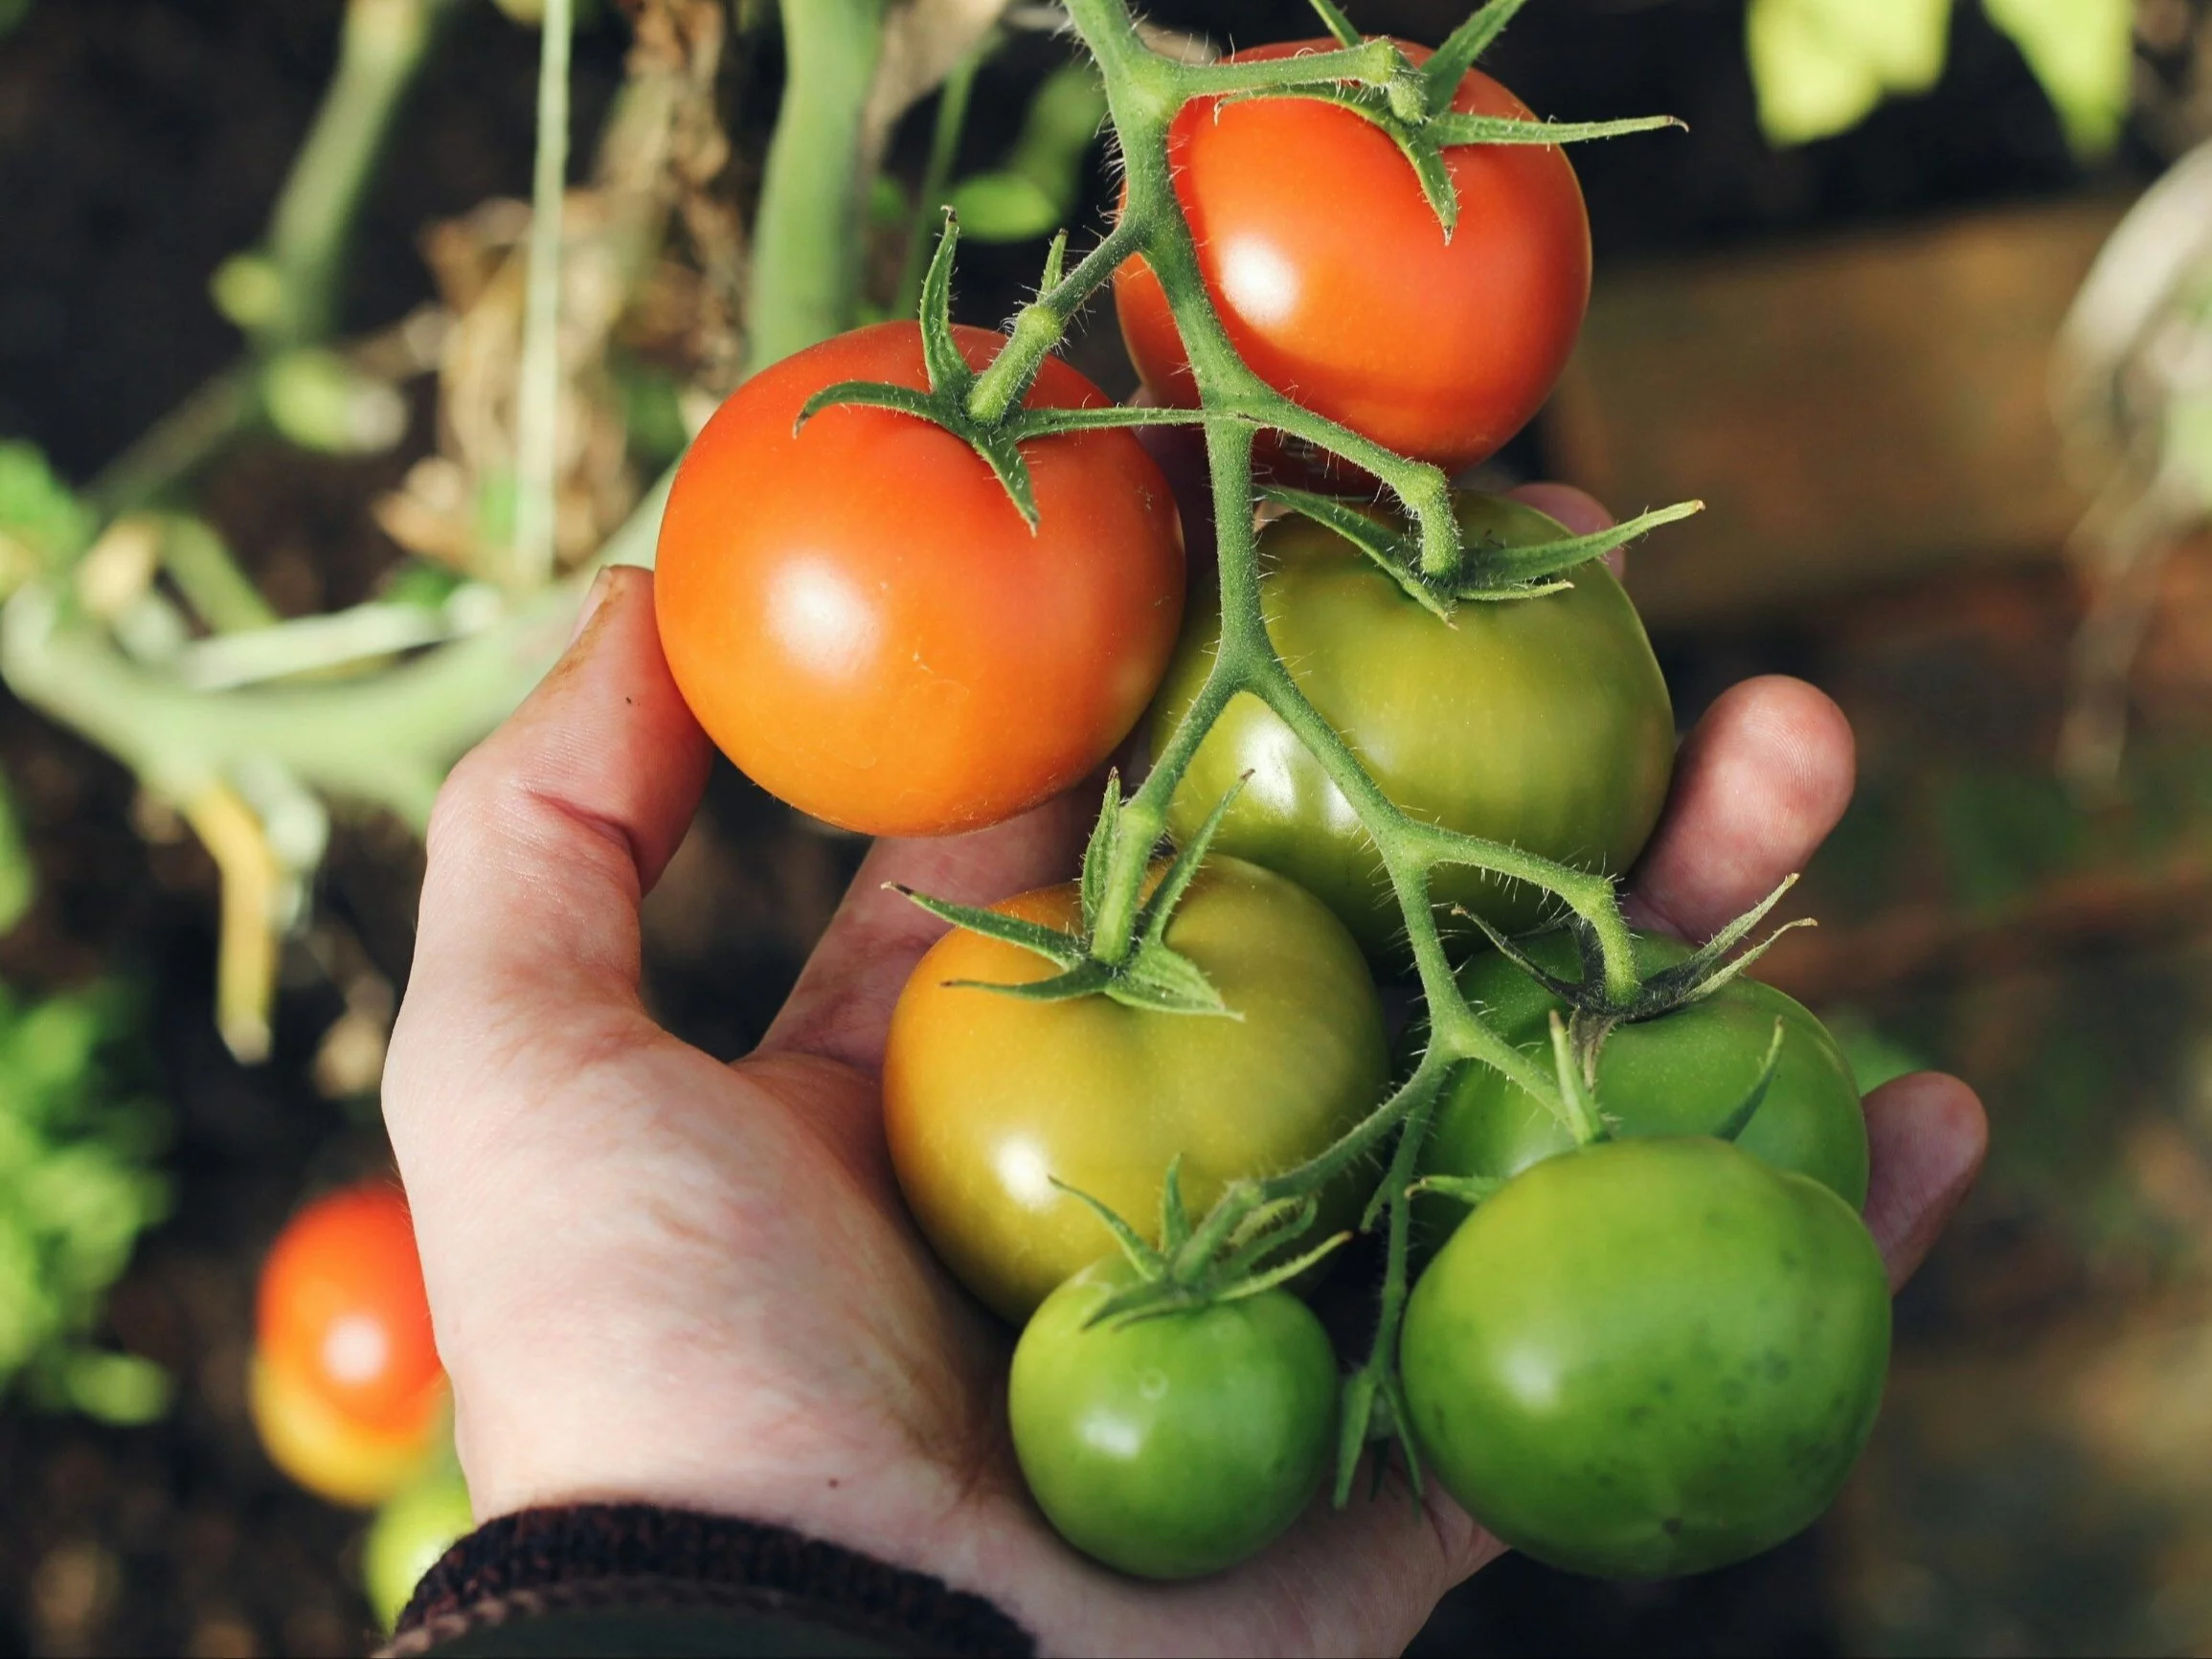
(607, 1579)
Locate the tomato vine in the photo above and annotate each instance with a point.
(1121, 941)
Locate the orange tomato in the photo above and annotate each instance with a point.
(1337, 285)
(342, 1312)
(859, 616)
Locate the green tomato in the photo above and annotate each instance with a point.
(1174, 1445)
(409, 1535)
(988, 1100)
(1648, 1357)
(1543, 723)
(1682, 1073)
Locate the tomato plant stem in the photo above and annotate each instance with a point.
(807, 233)
(538, 396)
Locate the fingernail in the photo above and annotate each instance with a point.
(601, 585)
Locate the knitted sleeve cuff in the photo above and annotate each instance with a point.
(609, 1566)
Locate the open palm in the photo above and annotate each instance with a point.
(658, 1278)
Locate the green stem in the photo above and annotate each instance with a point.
(807, 233)
(538, 394)
(952, 119)
(383, 44)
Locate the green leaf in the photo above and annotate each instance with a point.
(1820, 66)
(2082, 52)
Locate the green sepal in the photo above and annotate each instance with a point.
(1705, 973)
(1002, 453)
(1449, 64)
(1390, 551)
(1087, 978)
(1063, 950)
(1147, 1261)
(1373, 1414)
(1496, 570)
(1165, 981)
(1283, 1272)
(1452, 130)
(1469, 1190)
(1030, 423)
(871, 394)
(1055, 264)
(950, 376)
(1174, 1216)
(1338, 26)
(1098, 851)
(1425, 156)
(1739, 1120)
(1572, 1063)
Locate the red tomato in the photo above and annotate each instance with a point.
(342, 1313)
(1333, 280)
(859, 616)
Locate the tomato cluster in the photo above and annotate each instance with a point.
(344, 1385)
(1131, 1114)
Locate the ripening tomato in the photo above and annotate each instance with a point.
(342, 1310)
(1335, 281)
(410, 1535)
(1174, 1445)
(989, 1099)
(1543, 723)
(1682, 1073)
(336, 1457)
(1648, 1357)
(859, 616)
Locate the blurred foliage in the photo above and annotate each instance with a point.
(42, 523)
(11, 13)
(79, 1182)
(1033, 192)
(1822, 66)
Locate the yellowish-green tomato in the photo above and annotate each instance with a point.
(1543, 723)
(989, 1100)
(408, 1536)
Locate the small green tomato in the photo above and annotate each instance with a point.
(1174, 1445)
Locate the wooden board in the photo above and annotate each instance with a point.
(1851, 412)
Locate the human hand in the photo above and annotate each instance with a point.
(662, 1279)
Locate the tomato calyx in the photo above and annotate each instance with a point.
(1146, 971)
(1192, 1268)
(1415, 109)
(995, 434)
(1491, 570)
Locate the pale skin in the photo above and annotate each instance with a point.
(658, 1278)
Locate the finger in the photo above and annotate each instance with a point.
(1758, 785)
(549, 834)
(1925, 1136)
(841, 1007)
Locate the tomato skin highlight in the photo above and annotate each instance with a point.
(1648, 1357)
(862, 621)
(1682, 1073)
(988, 1098)
(1335, 281)
(1544, 723)
(342, 1310)
(1177, 1445)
